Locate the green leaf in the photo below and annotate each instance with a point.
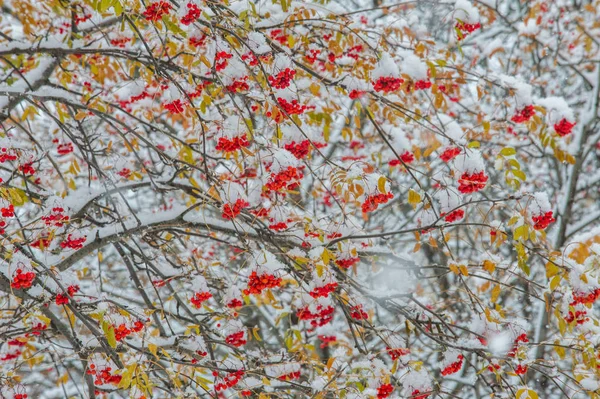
(109, 333)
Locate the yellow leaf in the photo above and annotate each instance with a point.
(454, 269)
(495, 293)
(109, 333)
(255, 334)
(153, 348)
(414, 198)
(489, 266)
(551, 270)
(463, 270)
(526, 393)
(381, 184)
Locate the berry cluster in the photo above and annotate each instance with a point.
(520, 370)
(236, 339)
(372, 201)
(250, 58)
(292, 107)
(493, 367)
(155, 11)
(300, 150)
(472, 182)
(7, 154)
(56, 218)
(193, 14)
(578, 316)
(524, 114)
(174, 107)
(235, 303)
(64, 149)
(520, 339)
(543, 220)
(416, 394)
(322, 316)
(221, 60)
(279, 226)
(7, 212)
(588, 299)
(239, 85)
(200, 297)
(103, 376)
(73, 243)
(564, 127)
(226, 144)
(326, 340)
(453, 367)
(450, 153)
(283, 79)
(62, 299)
(323, 291)
(384, 390)
(347, 263)
(229, 381)
(230, 212)
(357, 313)
(287, 178)
(354, 94)
(125, 173)
(120, 42)
(122, 331)
(22, 280)
(466, 29)
(397, 352)
(27, 169)
(422, 84)
(387, 84)
(407, 157)
(454, 215)
(256, 283)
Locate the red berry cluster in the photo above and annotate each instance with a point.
(588, 299)
(7, 212)
(564, 127)
(230, 212)
(174, 107)
(250, 58)
(466, 29)
(407, 157)
(323, 291)
(422, 84)
(226, 144)
(357, 313)
(125, 173)
(64, 149)
(294, 375)
(299, 150)
(27, 169)
(326, 340)
(372, 202)
(125, 104)
(454, 367)
(416, 394)
(387, 84)
(384, 390)
(578, 316)
(120, 42)
(20, 396)
(353, 52)
(279, 226)
(192, 14)
(347, 263)
(470, 183)
(42, 243)
(285, 179)
(239, 85)
(397, 352)
(200, 297)
(520, 369)
(235, 303)
(283, 79)
(7, 154)
(256, 283)
(22, 280)
(103, 376)
(196, 41)
(322, 316)
(493, 367)
(279, 35)
(454, 215)
(450, 153)
(56, 218)
(122, 331)
(221, 60)
(292, 107)
(354, 94)
(156, 10)
(62, 299)
(542, 221)
(73, 243)
(524, 114)
(236, 339)
(312, 56)
(520, 339)
(229, 381)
